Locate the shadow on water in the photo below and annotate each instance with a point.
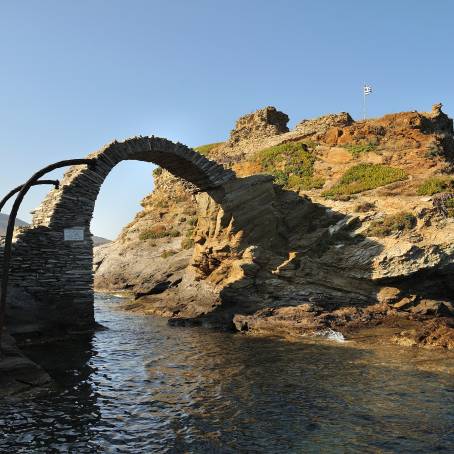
(142, 386)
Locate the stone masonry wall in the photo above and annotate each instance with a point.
(57, 274)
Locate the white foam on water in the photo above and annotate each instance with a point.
(331, 335)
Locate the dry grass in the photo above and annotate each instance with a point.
(208, 148)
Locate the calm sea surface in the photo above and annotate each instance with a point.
(144, 387)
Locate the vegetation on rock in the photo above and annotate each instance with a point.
(449, 204)
(291, 164)
(358, 149)
(162, 204)
(363, 177)
(434, 185)
(434, 152)
(390, 224)
(208, 148)
(167, 254)
(154, 234)
(192, 220)
(157, 171)
(187, 243)
(364, 207)
(297, 182)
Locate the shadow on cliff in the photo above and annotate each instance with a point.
(259, 245)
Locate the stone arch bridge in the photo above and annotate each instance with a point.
(51, 278)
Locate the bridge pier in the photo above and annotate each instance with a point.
(51, 282)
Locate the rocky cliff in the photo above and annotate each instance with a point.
(335, 224)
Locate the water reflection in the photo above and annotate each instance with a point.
(64, 419)
(142, 386)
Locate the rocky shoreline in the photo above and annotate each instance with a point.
(335, 224)
(306, 322)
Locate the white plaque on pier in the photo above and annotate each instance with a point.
(74, 234)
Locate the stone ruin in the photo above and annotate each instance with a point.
(51, 276)
(263, 123)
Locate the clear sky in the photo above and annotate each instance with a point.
(77, 74)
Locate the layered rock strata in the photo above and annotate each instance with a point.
(268, 256)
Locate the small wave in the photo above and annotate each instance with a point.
(330, 334)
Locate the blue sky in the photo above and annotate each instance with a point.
(77, 74)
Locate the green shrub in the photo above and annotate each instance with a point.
(434, 152)
(357, 149)
(363, 177)
(280, 177)
(192, 220)
(392, 224)
(150, 235)
(187, 243)
(449, 204)
(154, 235)
(167, 254)
(290, 157)
(208, 148)
(310, 143)
(157, 171)
(434, 185)
(291, 164)
(304, 183)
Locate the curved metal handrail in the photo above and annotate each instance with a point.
(5, 199)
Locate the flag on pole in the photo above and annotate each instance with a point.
(367, 90)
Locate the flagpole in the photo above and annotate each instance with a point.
(364, 101)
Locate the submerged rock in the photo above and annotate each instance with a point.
(19, 376)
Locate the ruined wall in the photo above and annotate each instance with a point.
(263, 123)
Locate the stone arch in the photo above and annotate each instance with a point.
(73, 202)
(56, 272)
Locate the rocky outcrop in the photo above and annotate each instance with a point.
(267, 259)
(317, 127)
(262, 123)
(152, 252)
